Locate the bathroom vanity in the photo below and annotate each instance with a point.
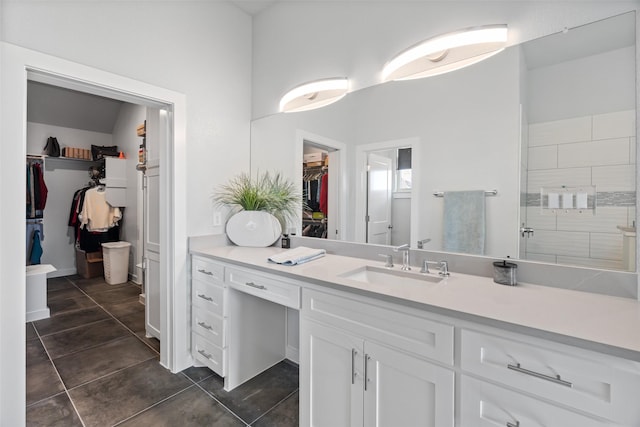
(388, 349)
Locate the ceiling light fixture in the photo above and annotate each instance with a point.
(446, 53)
(314, 94)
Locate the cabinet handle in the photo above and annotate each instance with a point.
(253, 285)
(205, 354)
(354, 353)
(366, 370)
(203, 271)
(517, 424)
(555, 379)
(204, 325)
(206, 298)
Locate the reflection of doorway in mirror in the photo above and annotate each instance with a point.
(319, 190)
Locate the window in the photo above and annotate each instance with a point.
(403, 171)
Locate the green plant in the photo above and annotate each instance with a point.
(267, 192)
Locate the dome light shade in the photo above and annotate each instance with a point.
(447, 53)
(314, 94)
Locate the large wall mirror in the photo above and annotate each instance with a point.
(537, 124)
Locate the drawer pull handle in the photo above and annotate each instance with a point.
(354, 352)
(253, 285)
(203, 271)
(206, 298)
(366, 370)
(555, 379)
(517, 424)
(205, 354)
(204, 325)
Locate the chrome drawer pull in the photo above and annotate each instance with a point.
(354, 352)
(204, 325)
(253, 285)
(205, 354)
(555, 379)
(203, 271)
(366, 370)
(206, 298)
(517, 424)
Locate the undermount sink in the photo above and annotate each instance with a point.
(386, 276)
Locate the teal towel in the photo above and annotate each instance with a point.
(464, 221)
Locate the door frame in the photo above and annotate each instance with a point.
(362, 152)
(18, 66)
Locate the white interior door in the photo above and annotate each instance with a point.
(379, 192)
(152, 225)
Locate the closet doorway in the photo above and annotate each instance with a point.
(82, 121)
(322, 169)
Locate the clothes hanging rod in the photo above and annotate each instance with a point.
(486, 193)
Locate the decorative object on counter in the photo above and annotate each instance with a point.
(504, 273)
(52, 148)
(285, 241)
(298, 255)
(260, 207)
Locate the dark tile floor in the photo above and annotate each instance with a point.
(90, 364)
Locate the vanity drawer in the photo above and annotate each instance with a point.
(208, 296)
(208, 353)
(206, 270)
(595, 383)
(268, 288)
(414, 334)
(208, 325)
(487, 405)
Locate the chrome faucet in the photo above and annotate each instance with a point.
(422, 242)
(405, 256)
(443, 265)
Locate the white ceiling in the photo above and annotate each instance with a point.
(253, 7)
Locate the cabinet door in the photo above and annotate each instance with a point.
(331, 384)
(403, 390)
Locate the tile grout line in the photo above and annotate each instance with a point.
(221, 404)
(55, 368)
(152, 406)
(275, 406)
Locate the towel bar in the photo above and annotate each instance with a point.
(486, 193)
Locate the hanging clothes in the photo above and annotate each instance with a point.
(36, 248)
(97, 214)
(36, 189)
(324, 193)
(32, 226)
(94, 221)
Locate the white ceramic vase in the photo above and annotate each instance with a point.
(256, 229)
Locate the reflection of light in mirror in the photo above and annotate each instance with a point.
(446, 53)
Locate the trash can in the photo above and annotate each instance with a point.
(115, 256)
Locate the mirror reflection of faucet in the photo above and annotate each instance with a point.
(422, 242)
(388, 260)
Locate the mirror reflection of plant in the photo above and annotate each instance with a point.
(268, 192)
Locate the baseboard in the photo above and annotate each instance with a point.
(292, 354)
(37, 315)
(142, 299)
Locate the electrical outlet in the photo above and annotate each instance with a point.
(217, 218)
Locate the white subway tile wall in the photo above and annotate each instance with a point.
(595, 150)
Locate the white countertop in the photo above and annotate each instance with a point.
(608, 324)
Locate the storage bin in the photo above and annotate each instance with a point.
(89, 264)
(116, 262)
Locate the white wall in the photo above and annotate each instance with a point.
(62, 177)
(125, 137)
(201, 49)
(295, 42)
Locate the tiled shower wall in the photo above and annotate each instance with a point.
(597, 150)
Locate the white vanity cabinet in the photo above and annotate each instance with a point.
(364, 365)
(208, 314)
(582, 388)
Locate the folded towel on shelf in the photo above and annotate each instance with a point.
(298, 255)
(464, 221)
